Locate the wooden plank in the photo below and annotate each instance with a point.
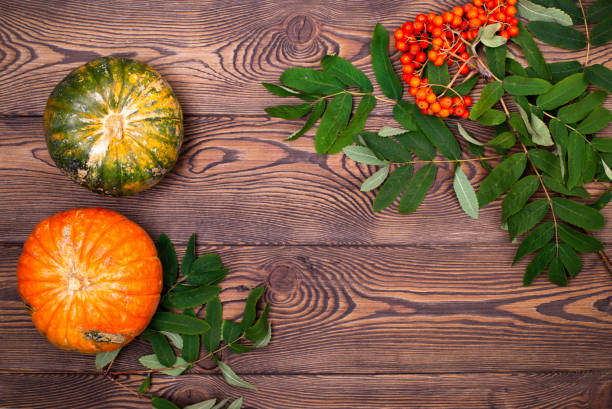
(213, 56)
(486, 390)
(355, 310)
(239, 181)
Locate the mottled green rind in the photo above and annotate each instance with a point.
(96, 89)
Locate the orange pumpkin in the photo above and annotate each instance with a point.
(90, 278)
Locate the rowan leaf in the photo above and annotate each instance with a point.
(387, 131)
(496, 60)
(189, 298)
(560, 70)
(418, 144)
(167, 256)
(439, 135)
(375, 180)
(465, 194)
(334, 120)
(597, 120)
(355, 125)
(363, 154)
(558, 187)
(573, 113)
(492, 117)
(207, 404)
(289, 111)
(346, 72)
(504, 140)
(491, 93)
(578, 214)
(214, 318)
(581, 242)
(517, 85)
(599, 75)
(518, 195)
(403, 112)
(105, 358)
(575, 159)
(417, 189)
(538, 238)
(386, 148)
(437, 74)
(598, 11)
(237, 404)
(163, 350)
(527, 218)
(535, 12)
(556, 272)
(181, 324)
(563, 92)
(602, 32)
(250, 308)
(385, 75)
(546, 162)
(466, 86)
(161, 403)
(570, 259)
(532, 53)
(602, 144)
(393, 187)
(311, 81)
(501, 178)
(557, 35)
(468, 136)
(151, 362)
(539, 263)
(231, 378)
(314, 116)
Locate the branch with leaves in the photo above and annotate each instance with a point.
(545, 144)
(177, 327)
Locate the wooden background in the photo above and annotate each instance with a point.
(369, 310)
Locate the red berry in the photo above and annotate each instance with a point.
(421, 57)
(408, 69)
(398, 34)
(467, 101)
(513, 31)
(407, 27)
(421, 18)
(510, 11)
(415, 81)
(465, 115)
(406, 58)
(401, 45)
(414, 49)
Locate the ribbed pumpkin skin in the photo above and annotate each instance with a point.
(90, 278)
(114, 125)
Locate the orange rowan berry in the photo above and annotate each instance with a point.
(423, 104)
(447, 17)
(456, 21)
(446, 102)
(435, 107)
(464, 70)
(415, 81)
(513, 31)
(505, 34)
(458, 11)
(407, 27)
(408, 69)
(510, 11)
(398, 34)
(478, 3)
(425, 81)
(444, 113)
(511, 2)
(500, 17)
(459, 110)
(421, 18)
(465, 115)
(421, 94)
(413, 91)
(414, 49)
(431, 98)
(513, 21)
(471, 14)
(467, 101)
(401, 45)
(457, 101)
(437, 32)
(438, 21)
(432, 55)
(440, 61)
(430, 17)
(418, 26)
(406, 58)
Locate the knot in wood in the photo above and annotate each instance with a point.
(301, 29)
(283, 282)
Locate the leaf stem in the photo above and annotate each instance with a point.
(139, 396)
(588, 36)
(183, 365)
(566, 125)
(447, 161)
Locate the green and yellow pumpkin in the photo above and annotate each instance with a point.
(114, 125)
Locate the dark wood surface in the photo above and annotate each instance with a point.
(369, 310)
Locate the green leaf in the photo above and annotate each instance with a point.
(501, 178)
(527, 218)
(518, 195)
(558, 187)
(219, 405)
(468, 136)
(311, 81)
(535, 12)
(491, 93)
(532, 52)
(181, 324)
(599, 75)
(560, 70)
(492, 117)
(541, 134)
(570, 259)
(250, 308)
(190, 256)
(517, 85)
(439, 135)
(362, 154)
(537, 239)
(602, 32)
(285, 92)
(392, 188)
(403, 112)
(310, 122)
(231, 377)
(386, 148)
(334, 120)
(214, 318)
(546, 162)
(465, 194)
(578, 214)
(375, 180)
(539, 263)
(559, 36)
(145, 385)
(602, 144)
(563, 92)
(488, 38)
(589, 166)
(231, 331)
(167, 256)
(466, 86)
(556, 272)
(190, 298)
(606, 169)
(581, 242)
(387, 131)
(496, 60)
(160, 403)
(346, 72)
(260, 328)
(597, 120)
(263, 342)
(573, 113)
(105, 358)
(241, 349)
(355, 125)
(151, 362)
(417, 188)
(207, 404)
(504, 140)
(203, 269)
(575, 159)
(516, 121)
(437, 75)
(175, 338)
(515, 68)
(163, 350)
(191, 347)
(599, 11)
(569, 6)
(385, 75)
(237, 404)
(289, 111)
(417, 143)
(602, 201)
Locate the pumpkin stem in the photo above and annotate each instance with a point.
(114, 126)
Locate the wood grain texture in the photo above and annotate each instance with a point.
(380, 310)
(486, 390)
(214, 57)
(238, 182)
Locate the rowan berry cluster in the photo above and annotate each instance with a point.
(442, 39)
